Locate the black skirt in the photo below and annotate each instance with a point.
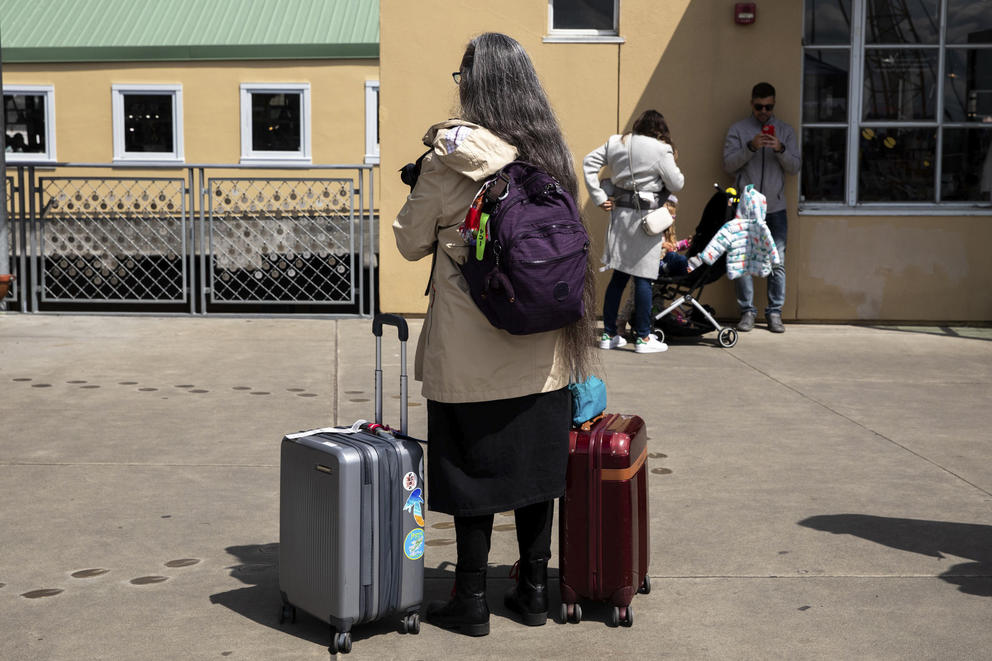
(495, 456)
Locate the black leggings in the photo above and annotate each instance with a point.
(473, 535)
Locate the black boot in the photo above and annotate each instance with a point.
(467, 612)
(529, 598)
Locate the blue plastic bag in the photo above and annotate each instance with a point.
(588, 399)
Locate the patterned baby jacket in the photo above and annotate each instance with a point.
(746, 239)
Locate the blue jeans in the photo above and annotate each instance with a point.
(674, 264)
(778, 224)
(641, 321)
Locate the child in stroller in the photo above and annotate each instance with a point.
(675, 294)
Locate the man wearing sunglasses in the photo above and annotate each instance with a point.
(761, 150)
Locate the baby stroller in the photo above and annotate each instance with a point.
(679, 312)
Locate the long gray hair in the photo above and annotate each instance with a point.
(500, 90)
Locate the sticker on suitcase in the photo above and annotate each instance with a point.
(410, 481)
(413, 545)
(414, 505)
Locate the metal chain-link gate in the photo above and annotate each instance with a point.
(194, 244)
(282, 240)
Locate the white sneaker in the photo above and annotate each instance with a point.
(615, 342)
(651, 346)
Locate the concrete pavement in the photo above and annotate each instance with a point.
(824, 494)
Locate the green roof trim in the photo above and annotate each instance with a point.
(177, 30)
(179, 53)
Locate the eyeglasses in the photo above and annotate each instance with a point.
(457, 77)
(768, 106)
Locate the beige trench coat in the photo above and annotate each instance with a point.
(461, 357)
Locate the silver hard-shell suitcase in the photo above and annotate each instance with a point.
(351, 518)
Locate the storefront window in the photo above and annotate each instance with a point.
(147, 122)
(901, 22)
(583, 20)
(29, 120)
(899, 84)
(827, 22)
(275, 122)
(824, 153)
(967, 165)
(897, 105)
(896, 164)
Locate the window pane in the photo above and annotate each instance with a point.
(824, 158)
(896, 165)
(903, 22)
(828, 22)
(966, 167)
(148, 123)
(825, 86)
(25, 122)
(583, 15)
(899, 84)
(968, 85)
(275, 121)
(969, 22)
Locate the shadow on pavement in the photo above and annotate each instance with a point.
(930, 538)
(258, 567)
(981, 332)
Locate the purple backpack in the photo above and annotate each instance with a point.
(529, 274)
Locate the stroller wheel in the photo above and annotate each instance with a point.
(727, 337)
(660, 333)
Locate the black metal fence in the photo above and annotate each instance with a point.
(206, 240)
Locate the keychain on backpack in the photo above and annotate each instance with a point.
(469, 228)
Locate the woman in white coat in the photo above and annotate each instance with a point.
(642, 160)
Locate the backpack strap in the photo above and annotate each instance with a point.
(430, 277)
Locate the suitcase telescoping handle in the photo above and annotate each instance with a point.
(404, 333)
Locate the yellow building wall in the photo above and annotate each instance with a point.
(211, 104)
(689, 60)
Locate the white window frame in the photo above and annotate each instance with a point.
(177, 155)
(856, 71)
(48, 91)
(250, 155)
(371, 122)
(573, 36)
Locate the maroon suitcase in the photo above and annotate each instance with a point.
(603, 534)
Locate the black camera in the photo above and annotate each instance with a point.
(410, 172)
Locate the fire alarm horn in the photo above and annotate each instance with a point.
(744, 13)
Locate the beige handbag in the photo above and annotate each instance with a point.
(655, 221)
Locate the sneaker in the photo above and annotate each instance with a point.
(651, 346)
(775, 324)
(615, 342)
(747, 321)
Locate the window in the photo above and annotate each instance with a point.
(372, 122)
(29, 115)
(583, 20)
(275, 122)
(148, 122)
(897, 103)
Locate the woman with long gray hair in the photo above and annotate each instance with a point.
(498, 409)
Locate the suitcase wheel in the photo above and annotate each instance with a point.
(340, 642)
(410, 624)
(621, 615)
(288, 612)
(570, 613)
(645, 586)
